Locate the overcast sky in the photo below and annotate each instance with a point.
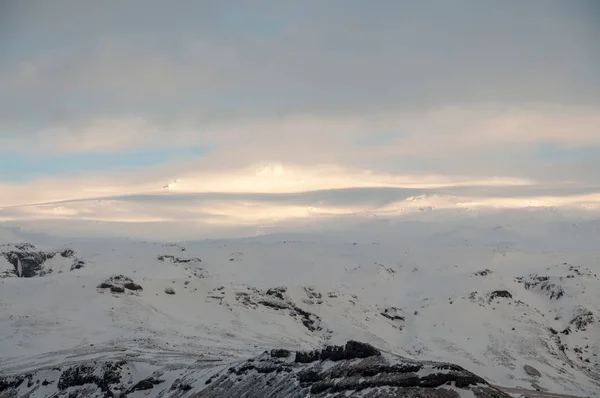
(114, 98)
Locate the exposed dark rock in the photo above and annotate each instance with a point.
(500, 294)
(132, 286)
(484, 272)
(105, 376)
(169, 290)
(359, 370)
(178, 384)
(31, 260)
(118, 279)
(278, 292)
(274, 304)
(67, 253)
(179, 260)
(146, 384)
(546, 284)
(276, 298)
(531, 371)
(352, 350)
(78, 264)
(280, 353)
(582, 319)
(7, 383)
(392, 313)
(355, 369)
(118, 284)
(314, 297)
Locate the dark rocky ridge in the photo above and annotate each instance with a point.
(352, 350)
(353, 370)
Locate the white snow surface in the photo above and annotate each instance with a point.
(410, 288)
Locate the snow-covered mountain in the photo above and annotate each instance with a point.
(516, 309)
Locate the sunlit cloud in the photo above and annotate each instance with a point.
(257, 122)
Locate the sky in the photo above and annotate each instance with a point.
(489, 103)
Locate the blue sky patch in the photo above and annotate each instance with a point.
(550, 152)
(16, 167)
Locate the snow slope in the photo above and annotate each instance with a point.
(490, 297)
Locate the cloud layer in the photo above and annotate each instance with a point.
(105, 102)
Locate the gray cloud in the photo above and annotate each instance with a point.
(220, 60)
(467, 88)
(372, 211)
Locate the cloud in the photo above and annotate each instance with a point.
(481, 142)
(260, 178)
(292, 99)
(221, 61)
(191, 216)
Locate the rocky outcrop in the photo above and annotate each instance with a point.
(484, 272)
(178, 260)
(582, 318)
(103, 376)
(353, 370)
(531, 371)
(190, 264)
(119, 284)
(550, 286)
(277, 299)
(352, 350)
(77, 264)
(29, 261)
(26, 259)
(393, 314)
(500, 294)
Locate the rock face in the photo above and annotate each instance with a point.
(353, 370)
(31, 260)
